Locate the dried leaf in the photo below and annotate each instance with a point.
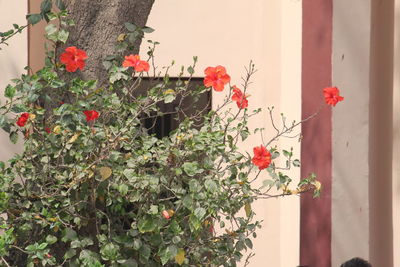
(74, 137)
(180, 257)
(121, 37)
(57, 129)
(247, 208)
(105, 172)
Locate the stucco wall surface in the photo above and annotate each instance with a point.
(350, 206)
(13, 59)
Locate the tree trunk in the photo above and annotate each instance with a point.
(98, 24)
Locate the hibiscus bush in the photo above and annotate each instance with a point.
(95, 186)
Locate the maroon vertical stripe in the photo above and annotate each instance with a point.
(316, 148)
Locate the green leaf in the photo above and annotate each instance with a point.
(75, 244)
(130, 27)
(240, 245)
(145, 252)
(248, 243)
(275, 154)
(63, 36)
(169, 98)
(18, 108)
(45, 6)
(14, 137)
(268, 183)
(191, 168)
(69, 235)
(69, 254)
(296, 163)
(211, 185)
(116, 76)
(33, 18)
(128, 263)
(110, 251)
(176, 239)
(129, 173)
(123, 189)
(60, 4)
(3, 121)
(51, 239)
(194, 223)
(137, 244)
(42, 246)
(10, 91)
(147, 29)
(167, 253)
(194, 186)
(287, 153)
(147, 224)
(200, 212)
(190, 70)
(50, 29)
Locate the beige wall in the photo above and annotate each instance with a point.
(13, 59)
(230, 33)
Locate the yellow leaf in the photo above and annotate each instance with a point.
(180, 257)
(121, 37)
(171, 212)
(247, 208)
(105, 172)
(74, 137)
(32, 117)
(295, 191)
(57, 129)
(231, 233)
(169, 91)
(91, 173)
(317, 185)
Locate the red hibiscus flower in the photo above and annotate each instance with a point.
(73, 58)
(91, 115)
(332, 96)
(23, 119)
(262, 157)
(240, 98)
(216, 78)
(48, 130)
(135, 62)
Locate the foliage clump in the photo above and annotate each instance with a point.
(95, 187)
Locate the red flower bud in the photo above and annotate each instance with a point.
(165, 214)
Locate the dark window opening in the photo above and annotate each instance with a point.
(161, 126)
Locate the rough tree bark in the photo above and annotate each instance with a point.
(98, 24)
